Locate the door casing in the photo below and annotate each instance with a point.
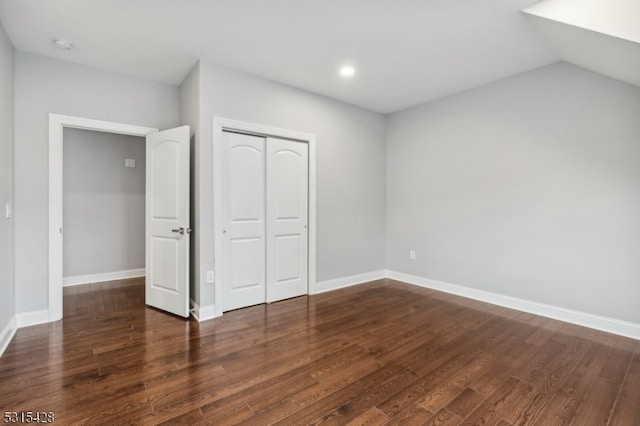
(57, 124)
(220, 125)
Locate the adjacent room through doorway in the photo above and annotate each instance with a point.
(103, 206)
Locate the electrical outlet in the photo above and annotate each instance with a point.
(210, 277)
(129, 162)
(412, 255)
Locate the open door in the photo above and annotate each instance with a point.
(167, 221)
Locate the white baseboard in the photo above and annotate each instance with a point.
(328, 285)
(203, 313)
(99, 278)
(609, 325)
(27, 319)
(7, 334)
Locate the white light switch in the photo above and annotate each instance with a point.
(7, 210)
(129, 162)
(412, 255)
(210, 277)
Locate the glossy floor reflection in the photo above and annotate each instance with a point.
(378, 353)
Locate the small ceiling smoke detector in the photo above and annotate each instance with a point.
(62, 44)
(347, 71)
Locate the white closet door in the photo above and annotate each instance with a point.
(287, 211)
(243, 198)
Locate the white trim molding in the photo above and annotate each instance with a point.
(338, 283)
(203, 313)
(103, 277)
(27, 319)
(597, 322)
(7, 334)
(57, 124)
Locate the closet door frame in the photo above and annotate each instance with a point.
(220, 125)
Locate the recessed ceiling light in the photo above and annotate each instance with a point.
(62, 44)
(347, 71)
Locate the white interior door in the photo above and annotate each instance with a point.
(167, 221)
(243, 234)
(287, 211)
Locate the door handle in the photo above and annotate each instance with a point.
(182, 230)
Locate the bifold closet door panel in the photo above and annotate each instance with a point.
(243, 197)
(287, 211)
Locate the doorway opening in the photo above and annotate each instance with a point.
(103, 207)
(57, 125)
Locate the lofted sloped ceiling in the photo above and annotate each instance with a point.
(405, 52)
(600, 35)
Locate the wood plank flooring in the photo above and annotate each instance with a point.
(378, 353)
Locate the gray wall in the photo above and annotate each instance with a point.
(7, 299)
(46, 86)
(190, 115)
(350, 167)
(103, 203)
(528, 187)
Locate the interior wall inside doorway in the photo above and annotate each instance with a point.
(103, 203)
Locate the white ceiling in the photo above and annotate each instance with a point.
(406, 51)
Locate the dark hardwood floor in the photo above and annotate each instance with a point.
(377, 353)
